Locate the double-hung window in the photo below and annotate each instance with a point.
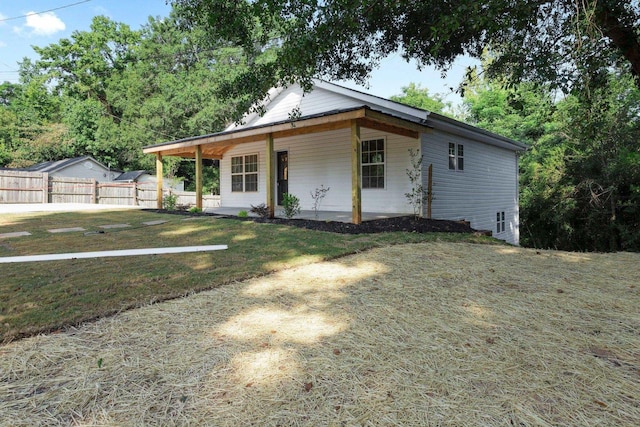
(456, 156)
(500, 222)
(244, 173)
(373, 163)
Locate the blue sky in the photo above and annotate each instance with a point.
(28, 29)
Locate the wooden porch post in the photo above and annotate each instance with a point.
(271, 177)
(356, 173)
(199, 177)
(159, 180)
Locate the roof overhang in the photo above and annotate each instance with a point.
(213, 146)
(454, 127)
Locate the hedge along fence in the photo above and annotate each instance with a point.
(37, 187)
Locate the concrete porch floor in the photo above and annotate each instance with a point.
(322, 215)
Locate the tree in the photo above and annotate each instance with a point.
(560, 42)
(417, 96)
(603, 166)
(117, 90)
(83, 65)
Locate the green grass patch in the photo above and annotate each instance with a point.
(45, 296)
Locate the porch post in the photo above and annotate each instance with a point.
(356, 173)
(199, 177)
(159, 180)
(271, 177)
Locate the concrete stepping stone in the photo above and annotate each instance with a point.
(115, 226)
(15, 234)
(65, 230)
(158, 222)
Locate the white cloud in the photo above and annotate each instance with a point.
(2, 44)
(44, 24)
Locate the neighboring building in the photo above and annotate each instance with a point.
(143, 177)
(89, 168)
(78, 167)
(475, 172)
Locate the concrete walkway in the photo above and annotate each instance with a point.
(58, 207)
(342, 216)
(339, 216)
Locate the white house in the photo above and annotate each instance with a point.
(358, 145)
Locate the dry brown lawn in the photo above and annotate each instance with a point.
(414, 335)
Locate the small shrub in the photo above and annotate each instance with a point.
(290, 205)
(261, 210)
(243, 214)
(418, 195)
(195, 209)
(317, 197)
(170, 201)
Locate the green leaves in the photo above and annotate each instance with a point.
(417, 96)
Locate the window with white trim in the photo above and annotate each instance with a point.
(373, 159)
(500, 222)
(244, 173)
(456, 156)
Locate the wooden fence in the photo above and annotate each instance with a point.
(36, 187)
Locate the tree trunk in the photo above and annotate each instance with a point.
(623, 37)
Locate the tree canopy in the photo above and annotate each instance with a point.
(560, 42)
(111, 90)
(417, 96)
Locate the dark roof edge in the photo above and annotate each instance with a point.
(441, 122)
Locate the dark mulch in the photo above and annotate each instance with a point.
(402, 223)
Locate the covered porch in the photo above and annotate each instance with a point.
(352, 120)
(339, 216)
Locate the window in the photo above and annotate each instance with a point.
(373, 163)
(244, 173)
(456, 156)
(500, 222)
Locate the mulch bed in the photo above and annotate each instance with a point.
(402, 223)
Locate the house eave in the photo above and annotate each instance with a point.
(449, 125)
(215, 145)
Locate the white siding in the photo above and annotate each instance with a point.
(321, 100)
(320, 159)
(325, 159)
(487, 185)
(391, 198)
(316, 102)
(241, 199)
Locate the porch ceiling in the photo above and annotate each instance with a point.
(215, 145)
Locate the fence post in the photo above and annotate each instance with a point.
(94, 189)
(45, 187)
(134, 188)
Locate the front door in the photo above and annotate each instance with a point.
(283, 174)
